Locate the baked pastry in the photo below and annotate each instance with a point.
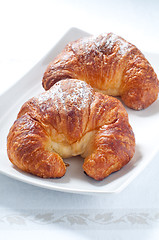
(110, 65)
(71, 119)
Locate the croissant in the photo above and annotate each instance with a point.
(110, 65)
(71, 119)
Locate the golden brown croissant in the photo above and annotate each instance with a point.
(109, 64)
(71, 119)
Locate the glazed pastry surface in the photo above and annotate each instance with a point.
(110, 65)
(71, 119)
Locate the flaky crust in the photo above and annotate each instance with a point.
(109, 64)
(67, 120)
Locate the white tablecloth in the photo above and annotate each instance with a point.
(131, 214)
(28, 30)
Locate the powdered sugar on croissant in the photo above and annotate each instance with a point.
(71, 119)
(110, 65)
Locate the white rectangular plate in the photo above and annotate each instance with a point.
(145, 125)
